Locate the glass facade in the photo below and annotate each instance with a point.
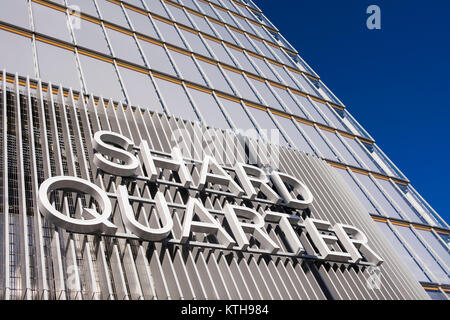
(224, 64)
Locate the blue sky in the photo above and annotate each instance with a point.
(394, 81)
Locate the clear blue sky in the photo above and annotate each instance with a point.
(394, 81)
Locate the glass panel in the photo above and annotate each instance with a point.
(209, 109)
(157, 57)
(142, 23)
(195, 43)
(282, 57)
(263, 49)
(244, 25)
(264, 91)
(113, 13)
(15, 12)
(385, 205)
(436, 245)
(242, 59)
(201, 24)
(264, 69)
(288, 102)
(347, 157)
(223, 32)
(176, 100)
(362, 154)
(179, 15)
(58, 66)
(101, 78)
(265, 122)
(207, 9)
(215, 77)
(20, 59)
(284, 75)
(140, 90)
(85, 6)
(403, 253)
(124, 46)
(423, 253)
(358, 192)
(155, 6)
(309, 107)
(225, 16)
(237, 114)
(136, 3)
(317, 141)
(242, 38)
(187, 67)
(51, 22)
(169, 33)
(91, 36)
(189, 4)
(219, 52)
(406, 209)
(436, 295)
(296, 137)
(241, 85)
(334, 120)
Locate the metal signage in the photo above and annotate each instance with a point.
(117, 155)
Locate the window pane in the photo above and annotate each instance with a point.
(309, 107)
(85, 6)
(263, 49)
(317, 141)
(242, 59)
(50, 22)
(15, 12)
(225, 16)
(267, 124)
(436, 245)
(91, 36)
(58, 66)
(241, 85)
(295, 135)
(125, 47)
(378, 196)
(242, 38)
(288, 102)
(209, 109)
(334, 120)
(155, 6)
(219, 52)
(284, 75)
(215, 77)
(423, 253)
(403, 253)
(347, 157)
(223, 32)
(201, 24)
(179, 15)
(207, 9)
(237, 114)
(264, 92)
(140, 89)
(187, 67)
(142, 23)
(362, 154)
(157, 57)
(264, 69)
(101, 78)
(175, 99)
(169, 33)
(195, 43)
(407, 211)
(20, 59)
(113, 13)
(358, 192)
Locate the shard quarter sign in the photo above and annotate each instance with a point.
(117, 155)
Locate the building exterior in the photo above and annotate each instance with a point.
(145, 106)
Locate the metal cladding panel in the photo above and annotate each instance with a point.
(48, 132)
